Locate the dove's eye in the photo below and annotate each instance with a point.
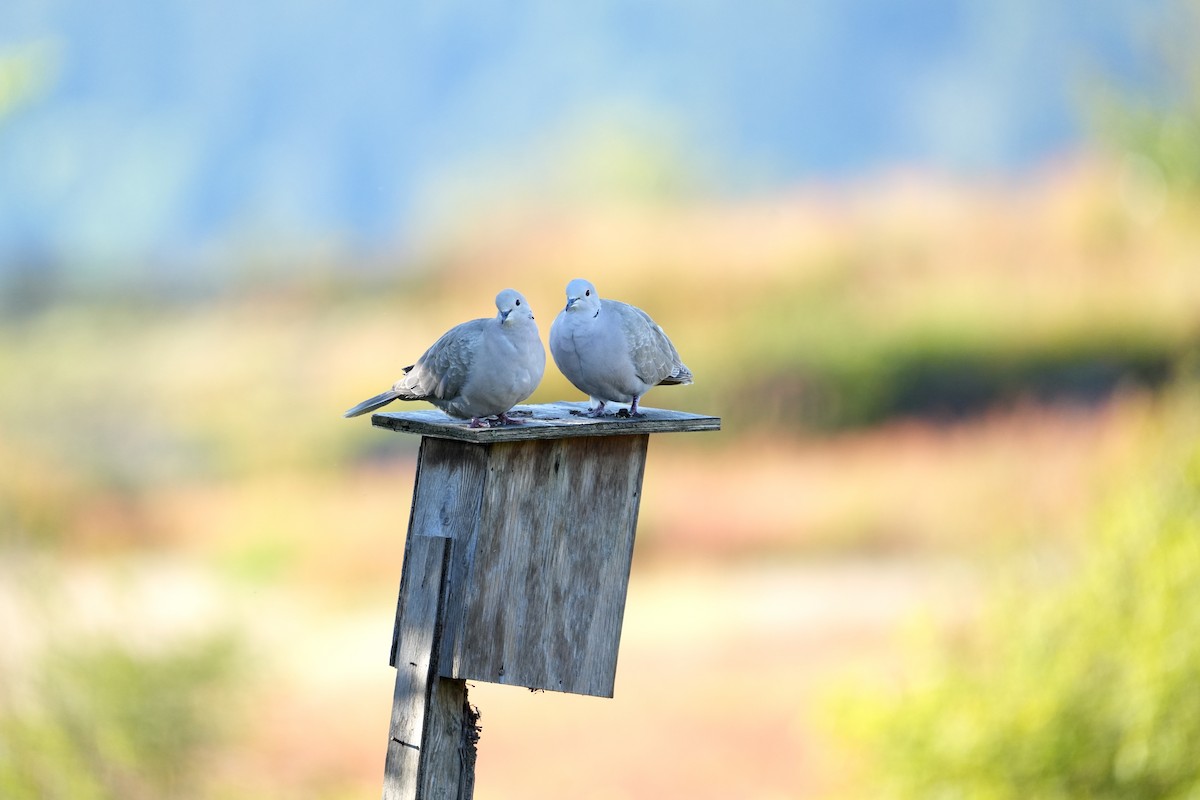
(518, 302)
(588, 293)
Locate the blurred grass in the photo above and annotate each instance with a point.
(825, 319)
(901, 367)
(101, 720)
(1085, 687)
(132, 416)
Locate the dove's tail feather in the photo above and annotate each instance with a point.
(370, 404)
(681, 375)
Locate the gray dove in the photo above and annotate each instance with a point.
(476, 370)
(612, 351)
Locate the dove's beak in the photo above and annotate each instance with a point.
(504, 315)
(570, 302)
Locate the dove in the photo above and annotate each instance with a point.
(612, 351)
(477, 370)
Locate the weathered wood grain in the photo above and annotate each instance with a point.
(515, 571)
(542, 593)
(448, 761)
(447, 495)
(415, 661)
(432, 731)
(546, 421)
(448, 487)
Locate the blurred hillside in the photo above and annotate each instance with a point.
(159, 141)
(918, 376)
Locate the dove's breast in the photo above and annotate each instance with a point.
(595, 358)
(507, 368)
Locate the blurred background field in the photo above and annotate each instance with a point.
(946, 299)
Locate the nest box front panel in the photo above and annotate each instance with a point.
(538, 597)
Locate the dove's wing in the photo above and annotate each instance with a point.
(442, 371)
(654, 358)
(476, 370)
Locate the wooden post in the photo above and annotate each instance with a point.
(516, 569)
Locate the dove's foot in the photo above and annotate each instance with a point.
(499, 420)
(632, 411)
(598, 411)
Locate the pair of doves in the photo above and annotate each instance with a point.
(611, 351)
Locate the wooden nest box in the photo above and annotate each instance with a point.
(516, 568)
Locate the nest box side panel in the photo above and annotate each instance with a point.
(448, 488)
(544, 596)
(446, 494)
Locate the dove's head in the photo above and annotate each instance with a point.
(581, 296)
(513, 307)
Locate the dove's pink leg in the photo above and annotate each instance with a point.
(598, 411)
(477, 423)
(505, 419)
(633, 411)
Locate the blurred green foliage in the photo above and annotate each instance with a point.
(100, 721)
(26, 71)
(1087, 689)
(1160, 129)
(110, 400)
(866, 379)
(212, 425)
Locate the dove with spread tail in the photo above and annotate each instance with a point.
(612, 351)
(477, 370)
